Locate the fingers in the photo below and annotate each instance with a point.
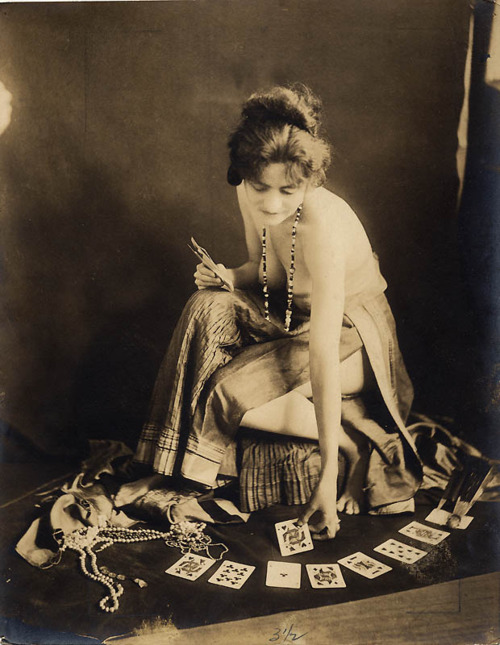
(325, 530)
(204, 277)
(324, 527)
(326, 534)
(306, 514)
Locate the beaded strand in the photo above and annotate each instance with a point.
(265, 289)
(187, 536)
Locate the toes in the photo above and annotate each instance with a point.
(348, 506)
(353, 507)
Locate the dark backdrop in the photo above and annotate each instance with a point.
(116, 155)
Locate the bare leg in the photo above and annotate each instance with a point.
(133, 490)
(290, 414)
(293, 415)
(355, 448)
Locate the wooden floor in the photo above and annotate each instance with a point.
(461, 612)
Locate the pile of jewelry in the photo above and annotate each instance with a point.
(88, 541)
(189, 536)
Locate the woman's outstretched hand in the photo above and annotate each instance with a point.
(205, 278)
(322, 509)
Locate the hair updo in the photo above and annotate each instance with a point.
(279, 126)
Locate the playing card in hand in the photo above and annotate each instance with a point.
(190, 566)
(423, 533)
(400, 551)
(293, 538)
(364, 565)
(325, 576)
(232, 574)
(283, 574)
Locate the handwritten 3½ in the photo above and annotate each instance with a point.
(285, 635)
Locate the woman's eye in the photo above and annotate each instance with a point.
(259, 189)
(288, 192)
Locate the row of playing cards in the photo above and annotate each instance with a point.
(229, 574)
(294, 539)
(288, 574)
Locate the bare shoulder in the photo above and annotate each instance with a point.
(323, 206)
(326, 215)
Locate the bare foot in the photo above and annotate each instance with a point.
(128, 493)
(351, 501)
(349, 504)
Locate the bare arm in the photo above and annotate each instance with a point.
(325, 258)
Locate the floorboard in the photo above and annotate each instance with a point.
(461, 612)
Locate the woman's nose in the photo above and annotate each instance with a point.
(272, 204)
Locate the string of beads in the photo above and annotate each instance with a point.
(187, 536)
(265, 288)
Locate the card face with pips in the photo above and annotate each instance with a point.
(283, 574)
(400, 551)
(232, 574)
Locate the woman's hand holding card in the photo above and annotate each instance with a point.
(208, 273)
(205, 278)
(321, 513)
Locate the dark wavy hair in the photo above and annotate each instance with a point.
(281, 125)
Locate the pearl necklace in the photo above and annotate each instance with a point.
(265, 289)
(188, 536)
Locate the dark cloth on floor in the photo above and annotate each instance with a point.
(62, 598)
(86, 500)
(225, 358)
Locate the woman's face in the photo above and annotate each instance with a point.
(274, 195)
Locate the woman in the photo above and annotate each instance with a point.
(306, 241)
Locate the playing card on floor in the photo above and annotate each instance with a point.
(190, 566)
(364, 565)
(325, 576)
(283, 574)
(293, 538)
(440, 516)
(232, 574)
(423, 533)
(400, 551)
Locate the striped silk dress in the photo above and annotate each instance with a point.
(224, 358)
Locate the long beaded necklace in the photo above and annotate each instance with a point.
(265, 289)
(188, 536)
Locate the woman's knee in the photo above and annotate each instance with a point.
(212, 312)
(209, 303)
(356, 374)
